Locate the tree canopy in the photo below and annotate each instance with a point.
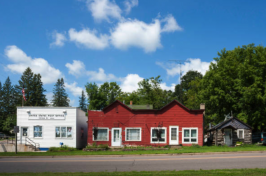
(60, 97)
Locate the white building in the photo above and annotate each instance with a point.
(50, 126)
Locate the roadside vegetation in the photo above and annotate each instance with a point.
(226, 172)
(192, 149)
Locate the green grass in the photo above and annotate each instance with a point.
(192, 149)
(227, 172)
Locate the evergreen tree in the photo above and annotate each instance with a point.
(82, 102)
(39, 98)
(34, 91)
(8, 104)
(60, 97)
(28, 82)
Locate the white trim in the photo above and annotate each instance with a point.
(190, 128)
(66, 132)
(120, 136)
(164, 128)
(238, 133)
(170, 134)
(133, 128)
(101, 128)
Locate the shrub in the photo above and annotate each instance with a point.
(64, 148)
(195, 146)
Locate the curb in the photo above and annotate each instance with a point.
(139, 155)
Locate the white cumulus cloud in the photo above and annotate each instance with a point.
(88, 38)
(77, 68)
(104, 10)
(38, 65)
(170, 24)
(195, 64)
(129, 4)
(101, 76)
(74, 89)
(130, 83)
(59, 39)
(136, 33)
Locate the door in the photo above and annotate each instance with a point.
(173, 135)
(23, 134)
(228, 137)
(116, 137)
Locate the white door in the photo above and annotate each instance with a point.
(173, 135)
(116, 137)
(23, 134)
(228, 137)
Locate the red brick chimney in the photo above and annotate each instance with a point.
(131, 102)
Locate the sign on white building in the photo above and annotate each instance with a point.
(50, 126)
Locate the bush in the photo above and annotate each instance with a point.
(195, 146)
(94, 145)
(64, 148)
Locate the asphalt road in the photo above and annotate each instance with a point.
(133, 163)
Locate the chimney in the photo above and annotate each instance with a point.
(131, 102)
(202, 106)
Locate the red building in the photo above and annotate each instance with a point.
(118, 125)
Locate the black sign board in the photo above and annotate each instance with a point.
(16, 129)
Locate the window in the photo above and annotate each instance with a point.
(100, 134)
(37, 131)
(190, 135)
(158, 135)
(240, 133)
(133, 134)
(63, 132)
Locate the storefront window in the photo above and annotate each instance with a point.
(63, 132)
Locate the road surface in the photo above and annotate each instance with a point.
(133, 163)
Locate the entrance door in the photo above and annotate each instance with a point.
(116, 136)
(23, 134)
(228, 137)
(173, 135)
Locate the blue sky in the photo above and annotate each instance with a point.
(123, 41)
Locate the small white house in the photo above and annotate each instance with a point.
(50, 126)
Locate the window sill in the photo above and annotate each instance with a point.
(133, 140)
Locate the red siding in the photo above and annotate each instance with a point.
(117, 114)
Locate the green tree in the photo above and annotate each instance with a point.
(8, 104)
(181, 90)
(237, 83)
(60, 97)
(111, 91)
(28, 82)
(96, 99)
(150, 92)
(34, 91)
(82, 102)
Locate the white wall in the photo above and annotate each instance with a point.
(48, 137)
(81, 123)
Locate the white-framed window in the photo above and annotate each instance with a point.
(37, 131)
(240, 133)
(158, 134)
(100, 134)
(133, 134)
(63, 132)
(190, 135)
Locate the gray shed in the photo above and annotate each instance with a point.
(229, 132)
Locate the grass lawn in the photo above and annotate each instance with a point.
(226, 172)
(192, 149)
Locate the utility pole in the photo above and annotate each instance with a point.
(180, 76)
